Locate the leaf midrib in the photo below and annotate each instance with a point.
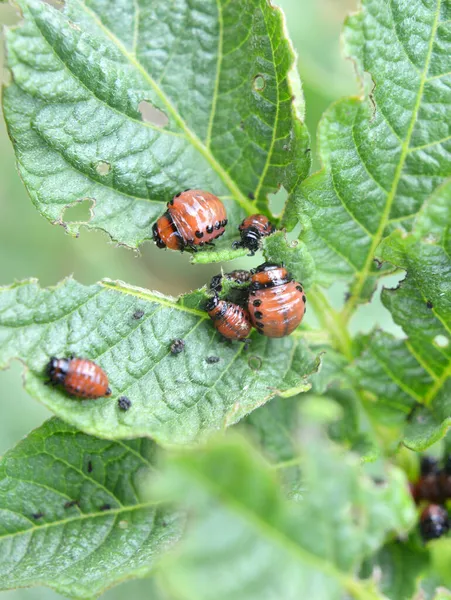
(82, 517)
(300, 554)
(240, 198)
(362, 276)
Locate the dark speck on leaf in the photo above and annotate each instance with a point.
(72, 503)
(379, 481)
(429, 304)
(378, 263)
(211, 360)
(138, 314)
(89, 467)
(124, 403)
(251, 196)
(307, 150)
(105, 507)
(38, 515)
(177, 346)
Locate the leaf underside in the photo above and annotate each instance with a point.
(176, 399)
(386, 154)
(228, 90)
(73, 515)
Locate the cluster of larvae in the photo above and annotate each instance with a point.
(270, 300)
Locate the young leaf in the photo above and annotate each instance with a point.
(276, 548)
(412, 376)
(72, 516)
(176, 398)
(384, 155)
(128, 103)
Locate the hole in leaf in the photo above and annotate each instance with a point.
(441, 341)
(277, 201)
(255, 363)
(58, 4)
(6, 76)
(150, 114)
(79, 212)
(367, 316)
(9, 14)
(430, 238)
(103, 167)
(259, 83)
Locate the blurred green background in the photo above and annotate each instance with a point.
(31, 247)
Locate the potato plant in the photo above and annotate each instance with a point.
(277, 472)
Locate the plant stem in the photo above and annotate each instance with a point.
(331, 322)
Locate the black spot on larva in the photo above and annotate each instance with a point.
(124, 403)
(178, 195)
(105, 507)
(211, 360)
(199, 234)
(72, 503)
(429, 304)
(210, 229)
(258, 314)
(304, 299)
(37, 515)
(89, 467)
(177, 346)
(224, 223)
(171, 202)
(251, 196)
(138, 314)
(299, 288)
(259, 324)
(257, 302)
(217, 225)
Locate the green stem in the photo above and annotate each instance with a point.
(331, 322)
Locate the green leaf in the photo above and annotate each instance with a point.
(354, 429)
(440, 553)
(79, 549)
(276, 248)
(383, 155)
(398, 566)
(411, 377)
(221, 74)
(274, 547)
(176, 399)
